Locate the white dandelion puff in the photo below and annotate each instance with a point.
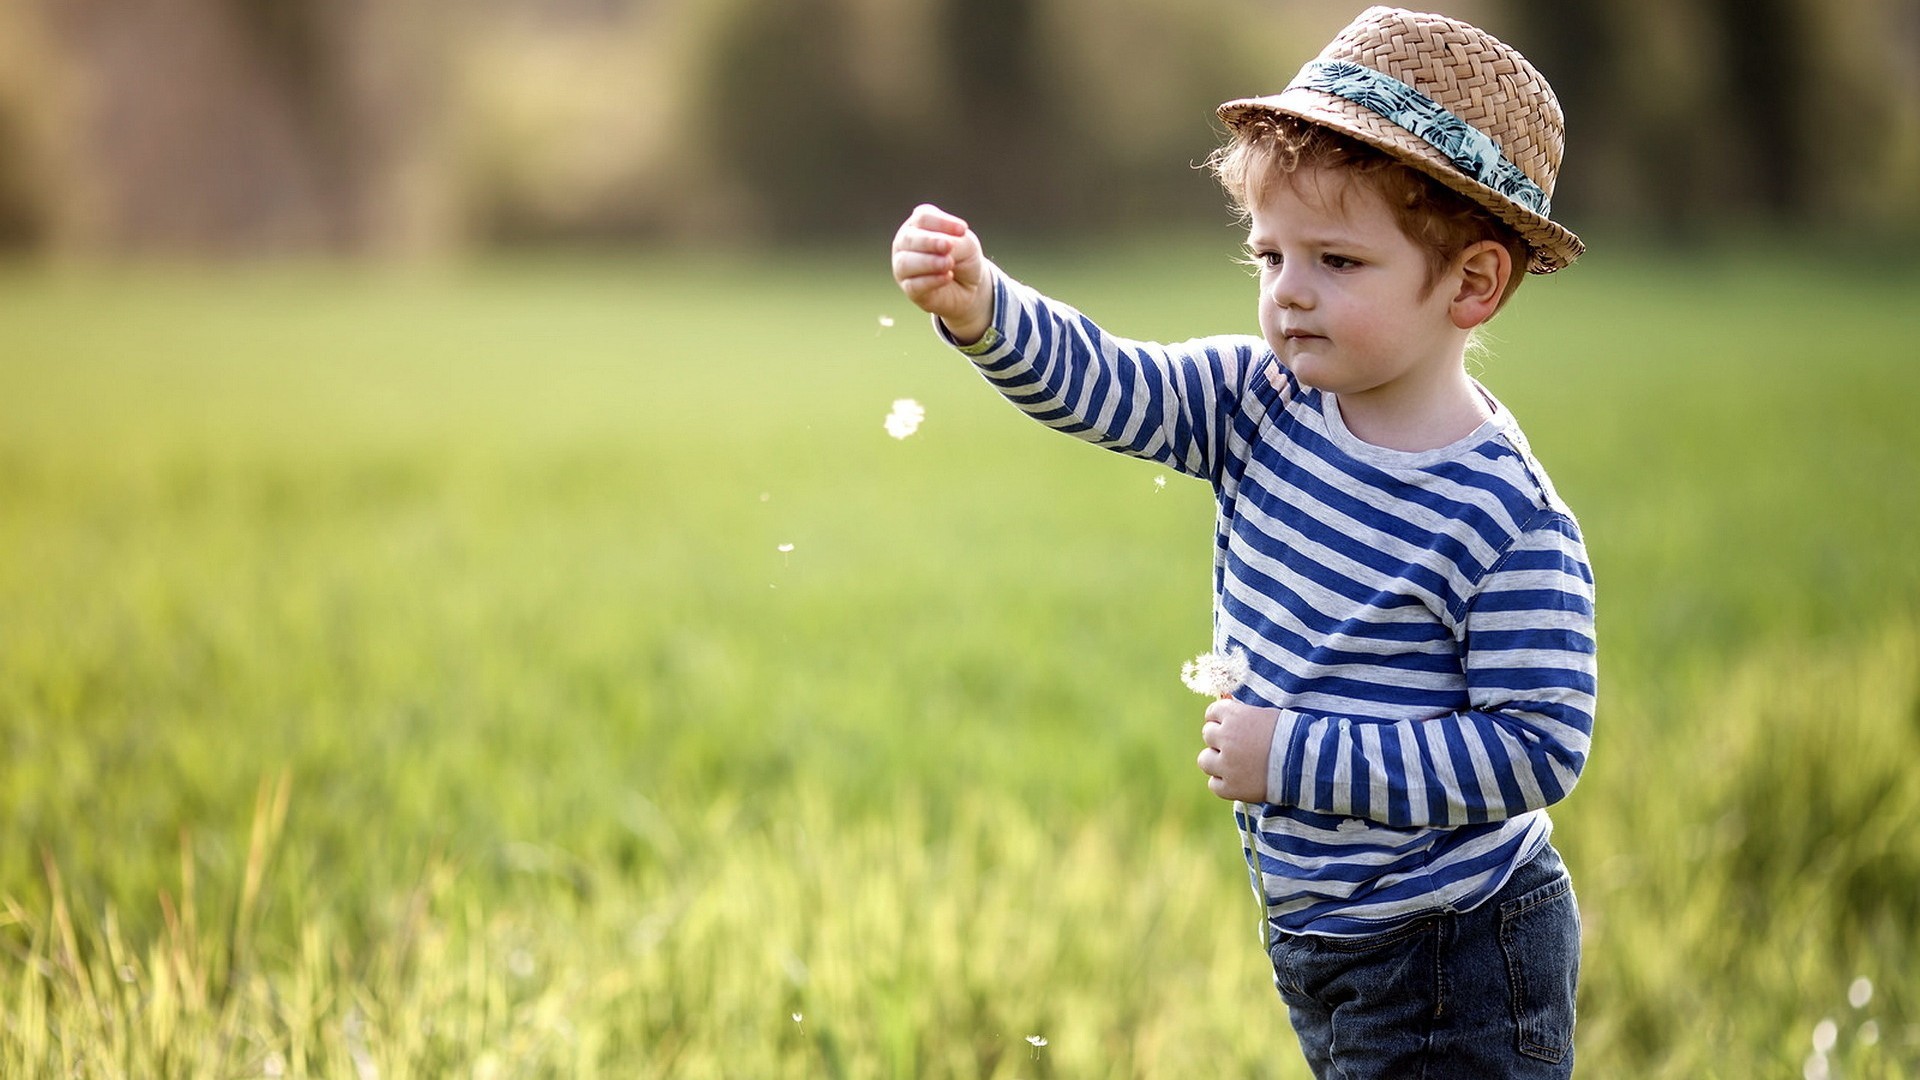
(520, 964)
(905, 418)
(886, 322)
(1826, 1034)
(797, 1018)
(1215, 674)
(1037, 1040)
(1860, 992)
(784, 549)
(1159, 483)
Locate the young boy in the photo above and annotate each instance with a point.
(1413, 597)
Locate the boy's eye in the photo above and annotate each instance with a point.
(1339, 262)
(1268, 259)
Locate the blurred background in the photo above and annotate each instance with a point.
(548, 665)
(420, 129)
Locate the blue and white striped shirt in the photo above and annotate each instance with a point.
(1423, 621)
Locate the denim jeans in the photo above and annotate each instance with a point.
(1481, 994)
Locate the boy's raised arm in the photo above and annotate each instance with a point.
(939, 264)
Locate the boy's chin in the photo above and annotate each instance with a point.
(1312, 372)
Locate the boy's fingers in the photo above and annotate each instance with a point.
(929, 216)
(911, 238)
(922, 288)
(1209, 761)
(909, 263)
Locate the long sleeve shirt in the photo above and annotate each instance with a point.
(1423, 622)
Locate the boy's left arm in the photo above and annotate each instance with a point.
(1521, 745)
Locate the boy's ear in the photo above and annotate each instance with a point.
(1483, 271)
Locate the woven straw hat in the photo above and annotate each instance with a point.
(1448, 99)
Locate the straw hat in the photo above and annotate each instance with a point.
(1448, 99)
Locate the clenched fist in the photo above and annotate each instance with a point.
(938, 263)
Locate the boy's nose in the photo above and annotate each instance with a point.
(1287, 289)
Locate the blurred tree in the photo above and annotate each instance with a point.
(1767, 68)
(837, 115)
(1685, 114)
(239, 126)
(791, 122)
(19, 216)
(406, 126)
(1005, 126)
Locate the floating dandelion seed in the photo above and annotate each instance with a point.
(784, 549)
(520, 963)
(797, 1018)
(886, 322)
(1826, 1033)
(905, 418)
(1159, 483)
(1860, 992)
(1037, 1040)
(1215, 674)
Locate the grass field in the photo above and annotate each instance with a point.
(403, 676)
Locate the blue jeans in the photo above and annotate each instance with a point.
(1477, 994)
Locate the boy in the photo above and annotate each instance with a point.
(1413, 597)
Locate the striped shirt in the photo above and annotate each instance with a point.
(1423, 622)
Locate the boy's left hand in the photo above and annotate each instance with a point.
(1238, 738)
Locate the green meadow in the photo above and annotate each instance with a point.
(551, 668)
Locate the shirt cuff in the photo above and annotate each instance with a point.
(988, 342)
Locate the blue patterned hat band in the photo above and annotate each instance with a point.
(1471, 150)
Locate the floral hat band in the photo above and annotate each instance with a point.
(1471, 150)
(1448, 99)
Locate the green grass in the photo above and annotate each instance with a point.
(400, 674)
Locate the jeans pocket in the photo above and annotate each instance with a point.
(1540, 935)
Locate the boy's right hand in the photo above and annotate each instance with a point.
(938, 263)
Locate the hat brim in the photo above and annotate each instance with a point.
(1552, 246)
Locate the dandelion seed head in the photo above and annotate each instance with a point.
(1215, 674)
(1826, 1033)
(274, 1065)
(520, 963)
(905, 418)
(1816, 1067)
(1860, 992)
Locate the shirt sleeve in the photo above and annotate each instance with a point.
(1171, 404)
(1529, 660)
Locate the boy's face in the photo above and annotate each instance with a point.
(1345, 300)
